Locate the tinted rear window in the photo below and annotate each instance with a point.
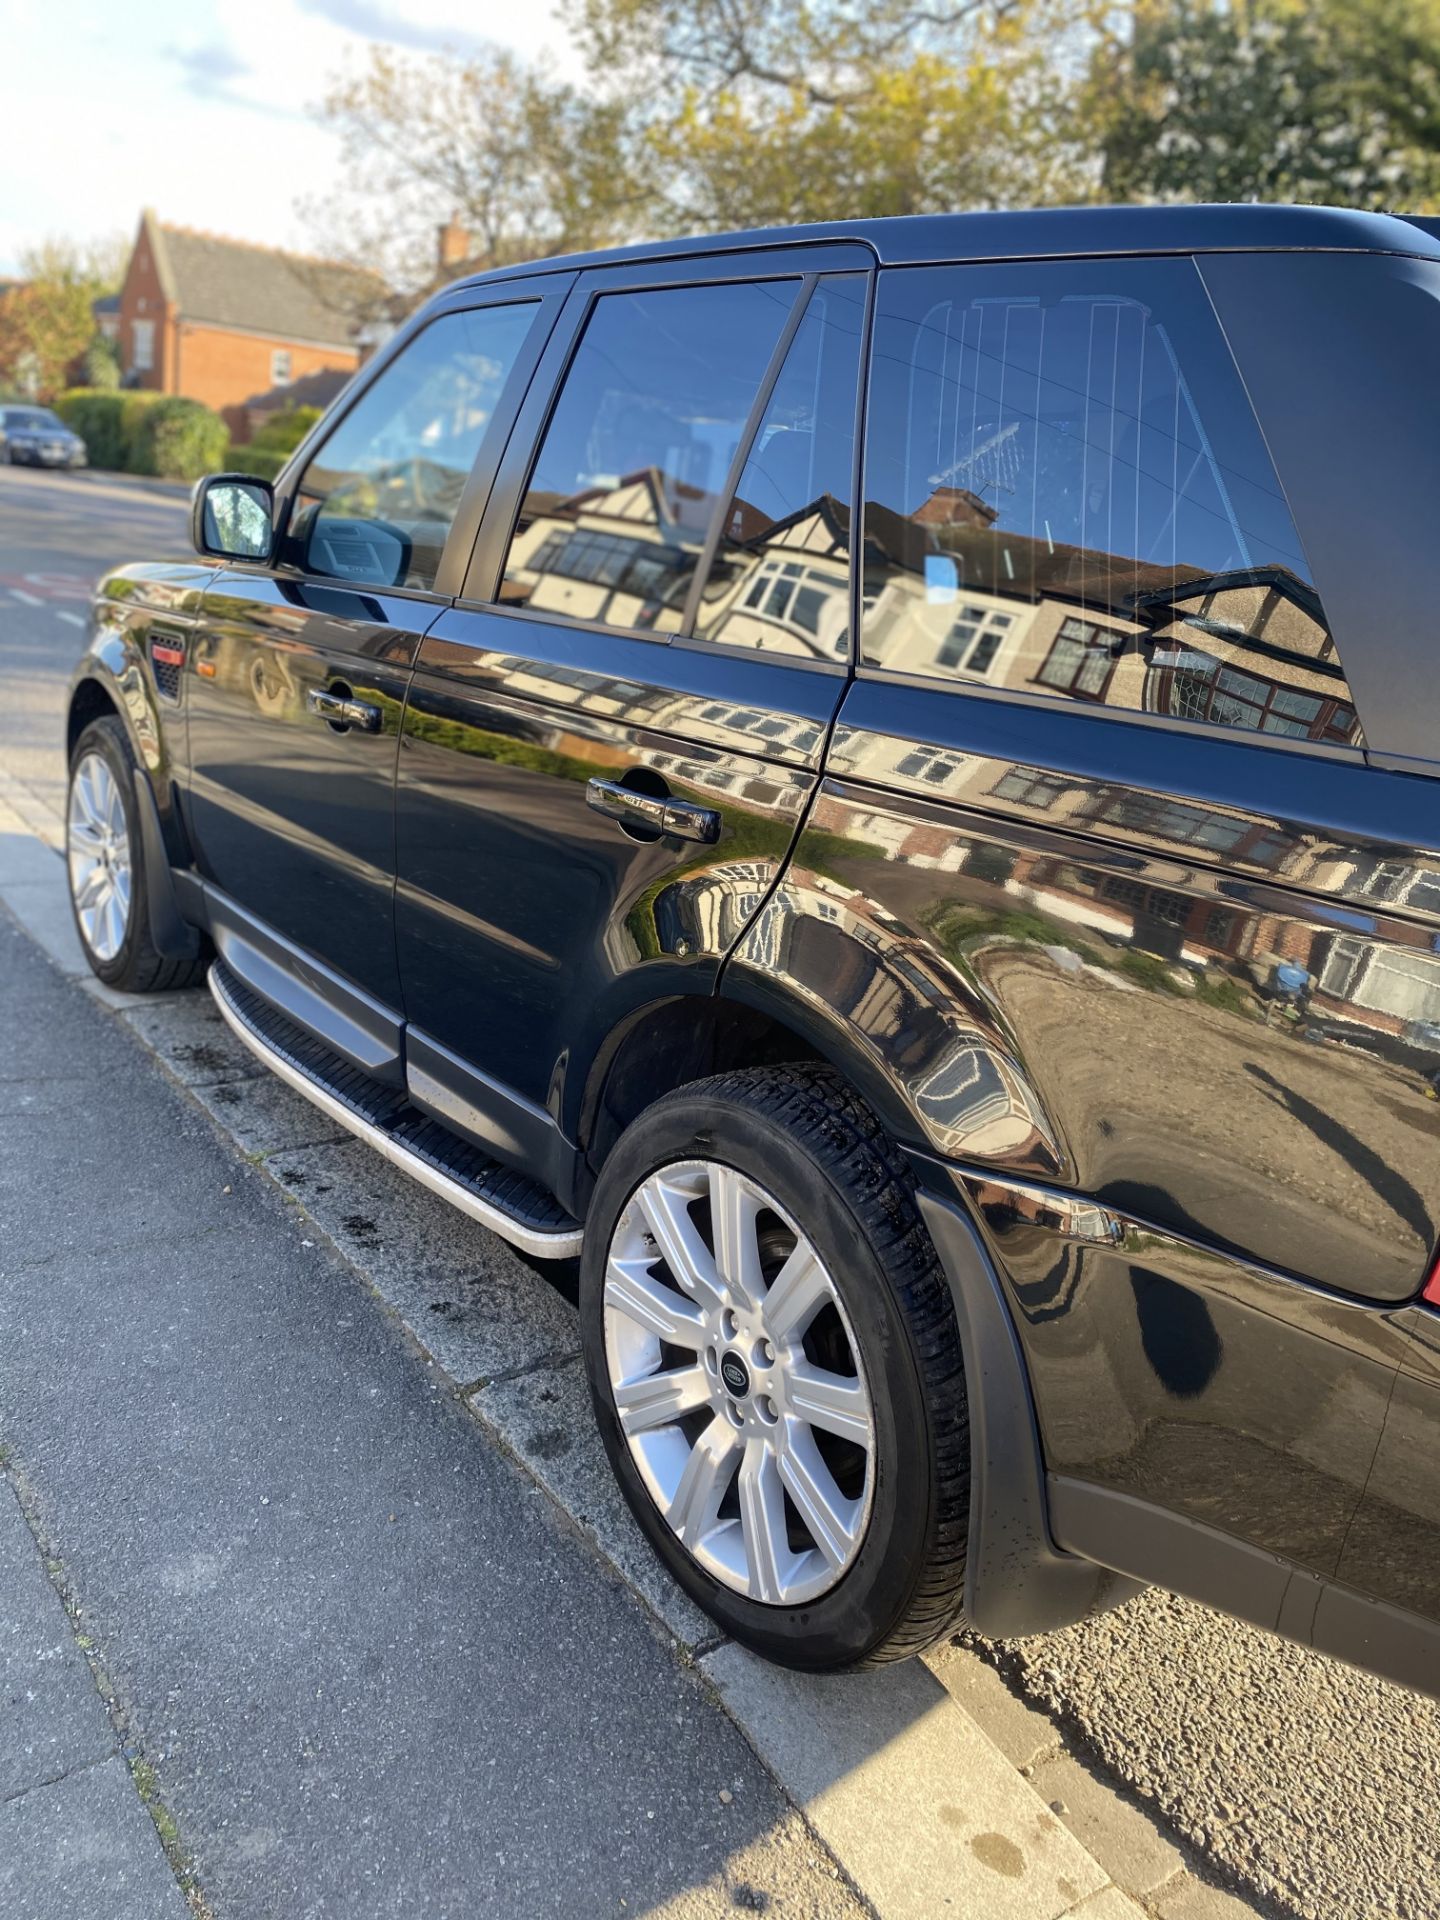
(1068, 496)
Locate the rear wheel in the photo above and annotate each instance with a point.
(776, 1369)
(105, 862)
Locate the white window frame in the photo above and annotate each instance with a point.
(282, 366)
(142, 346)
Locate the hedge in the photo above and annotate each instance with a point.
(273, 445)
(143, 432)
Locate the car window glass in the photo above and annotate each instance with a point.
(780, 578)
(1068, 496)
(638, 450)
(377, 500)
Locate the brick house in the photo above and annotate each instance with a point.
(220, 320)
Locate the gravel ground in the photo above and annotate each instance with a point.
(1314, 1784)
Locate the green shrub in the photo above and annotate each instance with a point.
(273, 445)
(109, 424)
(177, 439)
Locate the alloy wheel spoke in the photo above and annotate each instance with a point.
(633, 1290)
(660, 1399)
(93, 889)
(828, 1515)
(796, 1295)
(830, 1400)
(734, 1210)
(705, 1481)
(762, 1521)
(690, 1261)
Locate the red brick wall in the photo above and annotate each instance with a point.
(225, 369)
(142, 299)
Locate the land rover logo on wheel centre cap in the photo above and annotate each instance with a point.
(736, 1375)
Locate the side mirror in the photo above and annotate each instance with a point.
(232, 517)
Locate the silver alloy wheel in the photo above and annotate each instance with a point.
(738, 1383)
(98, 852)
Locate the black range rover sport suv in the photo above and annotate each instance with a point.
(880, 785)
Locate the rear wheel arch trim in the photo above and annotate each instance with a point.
(1017, 1580)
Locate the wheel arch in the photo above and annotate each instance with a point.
(1017, 1580)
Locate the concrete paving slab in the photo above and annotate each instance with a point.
(85, 1849)
(188, 1034)
(929, 1817)
(1021, 1731)
(264, 1116)
(467, 1297)
(51, 1717)
(546, 1419)
(1192, 1899)
(1111, 1904)
(1130, 1844)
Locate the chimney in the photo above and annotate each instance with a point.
(452, 248)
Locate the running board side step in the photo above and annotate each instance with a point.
(510, 1204)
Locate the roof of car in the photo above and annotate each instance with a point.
(1054, 233)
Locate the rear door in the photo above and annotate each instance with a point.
(609, 743)
(1100, 876)
(298, 674)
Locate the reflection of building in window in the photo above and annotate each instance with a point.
(787, 594)
(1080, 661)
(1382, 980)
(973, 642)
(1401, 884)
(613, 555)
(934, 765)
(1028, 788)
(1159, 818)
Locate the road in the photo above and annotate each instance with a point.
(57, 536)
(1314, 1788)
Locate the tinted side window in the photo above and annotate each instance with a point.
(1068, 495)
(377, 500)
(638, 449)
(780, 579)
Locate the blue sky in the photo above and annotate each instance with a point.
(199, 109)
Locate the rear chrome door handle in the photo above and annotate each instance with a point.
(653, 812)
(342, 709)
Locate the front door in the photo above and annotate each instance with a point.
(608, 747)
(299, 670)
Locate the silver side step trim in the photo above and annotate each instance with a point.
(545, 1246)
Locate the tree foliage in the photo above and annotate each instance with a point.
(1272, 100)
(46, 321)
(526, 165)
(708, 114)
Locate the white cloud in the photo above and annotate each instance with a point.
(171, 104)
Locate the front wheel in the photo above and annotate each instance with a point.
(776, 1368)
(105, 863)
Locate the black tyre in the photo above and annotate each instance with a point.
(105, 861)
(776, 1369)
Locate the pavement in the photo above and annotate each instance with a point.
(308, 1470)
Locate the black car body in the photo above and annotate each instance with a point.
(36, 437)
(1075, 808)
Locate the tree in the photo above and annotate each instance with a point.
(46, 321)
(1272, 100)
(767, 111)
(525, 165)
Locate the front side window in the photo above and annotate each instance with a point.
(376, 503)
(780, 578)
(638, 449)
(142, 345)
(280, 363)
(1068, 496)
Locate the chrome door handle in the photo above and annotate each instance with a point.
(343, 710)
(660, 815)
